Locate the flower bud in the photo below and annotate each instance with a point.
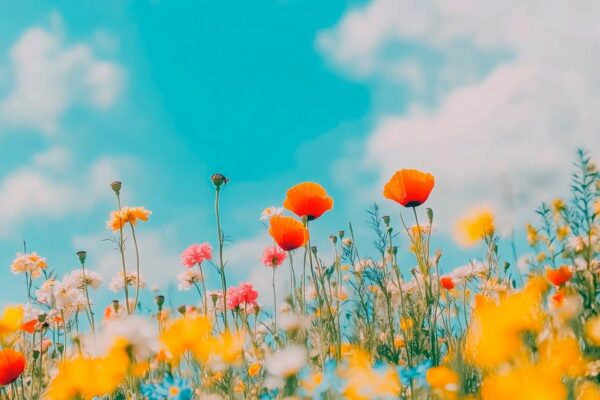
(81, 254)
(181, 309)
(115, 304)
(160, 300)
(314, 250)
(333, 239)
(429, 214)
(386, 219)
(341, 234)
(219, 180)
(116, 187)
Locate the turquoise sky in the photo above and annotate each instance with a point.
(162, 94)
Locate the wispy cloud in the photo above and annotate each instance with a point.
(48, 76)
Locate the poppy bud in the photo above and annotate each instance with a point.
(219, 180)
(333, 239)
(115, 304)
(386, 219)
(314, 250)
(389, 229)
(181, 309)
(341, 234)
(160, 300)
(116, 187)
(395, 250)
(81, 254)
(42, 317)
(429, 215)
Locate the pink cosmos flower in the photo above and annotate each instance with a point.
(244, 296)
(273, 256)
(196, 253)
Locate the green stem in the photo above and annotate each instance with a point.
(221, 264)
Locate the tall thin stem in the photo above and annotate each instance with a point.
(221, 264)
(122, 251)
(137, 267)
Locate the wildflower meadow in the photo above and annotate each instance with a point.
(351, 326)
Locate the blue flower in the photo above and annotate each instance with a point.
(171, 388)
(416, 373)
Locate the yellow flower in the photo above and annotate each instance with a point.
(494, 335)
(563, 354)
(533, 237)
(127, 215)
(588, 390)
(475, 226)
(225, 349)
(254, 369)
(239, 386)
(444, 380)
(562, 232)
(525, 383)
(592, 330)
(363, 382)
(11, 320)
(188, 333)
(558, 205)
(89, 377)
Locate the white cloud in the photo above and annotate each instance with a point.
(49, 76)
(50, 188)
(515, 127)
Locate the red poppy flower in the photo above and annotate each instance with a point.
(29, 326)
(308, 199)
(288, 232)
(12, 364)
(409, 187)
(447, 282)
(559, 276)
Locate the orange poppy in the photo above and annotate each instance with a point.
(12, 364)
(447, 282)
(29, 326)
(560, 275)
(287, 232)
(409, 187)
(308, 199)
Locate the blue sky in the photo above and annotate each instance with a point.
(270, 93)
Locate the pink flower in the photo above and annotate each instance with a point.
(196, 253)
(244, 296)
(273, 256)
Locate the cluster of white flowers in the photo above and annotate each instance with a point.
(269, 212)
(139, 334)
(76, 279)
(475, 269)
(188, 277)
(118, 282)
(61, 296)
(67, 295)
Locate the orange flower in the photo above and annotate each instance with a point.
(409, 187)
(288, 232)
(447, 282)
(12, 364)
(308, 199)
(29, 326)
(560, 275)
(127, 215)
